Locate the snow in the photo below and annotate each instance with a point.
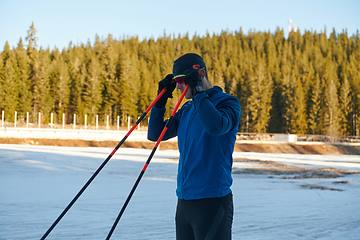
(38, 182)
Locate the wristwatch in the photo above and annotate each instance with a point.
(197, 89)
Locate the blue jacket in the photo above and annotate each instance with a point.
(206, 129)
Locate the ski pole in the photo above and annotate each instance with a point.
(146, 164)
(101, 166)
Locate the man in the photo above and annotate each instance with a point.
(206, 128)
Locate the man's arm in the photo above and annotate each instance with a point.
(220, 119)
(157, 124)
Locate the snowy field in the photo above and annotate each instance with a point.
(38, 182)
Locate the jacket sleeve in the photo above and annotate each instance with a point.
(220, 119)
(157, 124)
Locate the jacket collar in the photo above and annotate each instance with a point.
(212, 91)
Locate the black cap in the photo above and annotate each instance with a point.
(188, 61)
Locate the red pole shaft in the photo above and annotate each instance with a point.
(101, 166)
(146, 164)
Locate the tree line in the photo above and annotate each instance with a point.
(306, 84)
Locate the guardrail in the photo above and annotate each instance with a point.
(298, 137)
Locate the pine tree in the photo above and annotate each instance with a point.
(123, 68)
(289, 86)
(10, 87)
(23, 74)
(2, 77)
(260, 98)
(108, 72)
(60, 84)
(6, 53)
(31, 38)
(345, 106)
(2, 92)
(332, 112)
(44, 97)
(314, 113)
(273, 50)
(93, 87)
(288, 83)
(354, 79)
(76, 62)
(299, 123)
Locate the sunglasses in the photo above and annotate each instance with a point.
(179, 78)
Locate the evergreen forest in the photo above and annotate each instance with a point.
(304, 84)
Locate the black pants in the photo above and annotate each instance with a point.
(204, 219)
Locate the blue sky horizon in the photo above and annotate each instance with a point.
(60, 22)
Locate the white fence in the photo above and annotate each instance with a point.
(137, 135)
(97, 135)
(69, 131)
(40, 124)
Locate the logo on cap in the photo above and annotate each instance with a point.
(196, 66)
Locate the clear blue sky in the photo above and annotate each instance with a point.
(78, 21)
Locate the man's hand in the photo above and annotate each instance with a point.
(193, 80)
(169, 84)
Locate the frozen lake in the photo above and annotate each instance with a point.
(38, 182)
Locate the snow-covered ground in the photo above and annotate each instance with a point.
(38, 182)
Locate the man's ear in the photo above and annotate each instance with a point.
(201, 72)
